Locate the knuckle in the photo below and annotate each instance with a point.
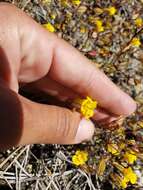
(90, 81)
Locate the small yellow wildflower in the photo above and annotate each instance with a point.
(112, 10)
(130, 175)
(49, 27)
(135, 42)
(76, 2)
(130, 157)
(80, 157)
(87, 107)
(138, 22)
(99, 25)
(113, 149)
(124, 183)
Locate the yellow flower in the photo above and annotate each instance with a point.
(111, 10)
(138, 22)
(135, 42)
(130, 175)
(113, 148)
(130, 157)
(49, 27)
(124, 182)
(99, 25)
(87, 107)
(80, 157)
(76, 2)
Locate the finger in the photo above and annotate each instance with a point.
(101, 115)
(26, 122)
(73, 70)
(53, 125)
(52, 88)
(86, 79)
(64, 64)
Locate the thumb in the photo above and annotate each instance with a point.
(53, 124)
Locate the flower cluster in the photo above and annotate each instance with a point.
(128, 176)
(98, 22)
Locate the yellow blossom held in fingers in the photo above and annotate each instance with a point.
(80, 158)
(138, 22)
(112, 10)
(49, 27)
(113, 149)
(87, 107)
(130, 157)
(136, 42)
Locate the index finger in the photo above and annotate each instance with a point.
(74, 70)
(66, 65)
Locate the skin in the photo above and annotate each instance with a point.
(32, 57)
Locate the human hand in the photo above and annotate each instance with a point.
(31, 55)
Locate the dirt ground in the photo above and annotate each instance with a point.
(109, 33)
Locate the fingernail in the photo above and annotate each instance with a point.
(85, 131)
